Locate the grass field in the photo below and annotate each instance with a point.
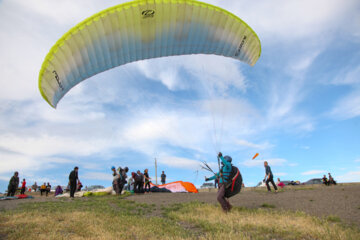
(109, 217)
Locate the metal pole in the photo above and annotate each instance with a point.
(156, 172)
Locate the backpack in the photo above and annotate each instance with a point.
(233, 186)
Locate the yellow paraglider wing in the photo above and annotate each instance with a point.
(141, 30)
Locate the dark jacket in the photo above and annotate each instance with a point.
(14, 181)
(73, 176)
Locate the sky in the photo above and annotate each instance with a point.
(298, 107)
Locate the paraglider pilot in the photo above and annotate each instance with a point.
(223, 177)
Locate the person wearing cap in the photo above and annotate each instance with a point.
(116, 181)
(73, 178)
(13, 184)
(223, 177)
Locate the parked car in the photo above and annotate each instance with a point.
(314, 181)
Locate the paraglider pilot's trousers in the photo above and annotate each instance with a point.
(272, 182)
(221, 198)
(72, 188)
(11, 190)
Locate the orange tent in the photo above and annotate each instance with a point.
(178, 186)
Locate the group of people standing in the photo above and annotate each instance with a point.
(139, 182)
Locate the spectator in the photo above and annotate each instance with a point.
(269, 177)
(23, 186)
(13, 184)
(123, 177)
(79, 186)
(116, 180)
(331, 180)
(279, 183)
(48, 188)
(43, 189)
(73, 178)
(325, 180)
(139, 182)
(58, 190)
(163, 178)
(34, 187)
(147, 181)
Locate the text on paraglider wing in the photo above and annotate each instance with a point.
(58, 80)
(148, 13)
(240, 46)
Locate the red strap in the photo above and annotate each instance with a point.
(234, 179)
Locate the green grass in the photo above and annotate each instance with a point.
(267, 205)
(110, 217)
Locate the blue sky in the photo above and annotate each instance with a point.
(299, 106)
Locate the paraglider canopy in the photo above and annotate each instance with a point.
(139, 30)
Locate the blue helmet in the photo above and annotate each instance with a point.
(228, 158)
(112, 167)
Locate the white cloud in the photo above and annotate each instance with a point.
(271, 161)
(357, 160)
(280, 174)
(198, 66)
(304, 19)
(179, 162)
(351, 176)
(347, 107)
(261, 146)
(313, 172)
(97, 176)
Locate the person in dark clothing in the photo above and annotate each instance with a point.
(23, 186)
(163, 178)
(73, 178)
(269, 177)
(13, 184)
(122, 179)
(116, 181)
(48, 188)
(325, 180)
(139, 182)
(331, 180)
(147, 181)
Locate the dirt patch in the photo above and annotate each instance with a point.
(342, 200)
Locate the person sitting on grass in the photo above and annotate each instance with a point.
(279, 183)
(325, 180)
(58, 190)
(48, 188)
(43, 189)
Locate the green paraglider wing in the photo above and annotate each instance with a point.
(139, 30)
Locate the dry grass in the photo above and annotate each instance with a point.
(244, 223)
(112, 218)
